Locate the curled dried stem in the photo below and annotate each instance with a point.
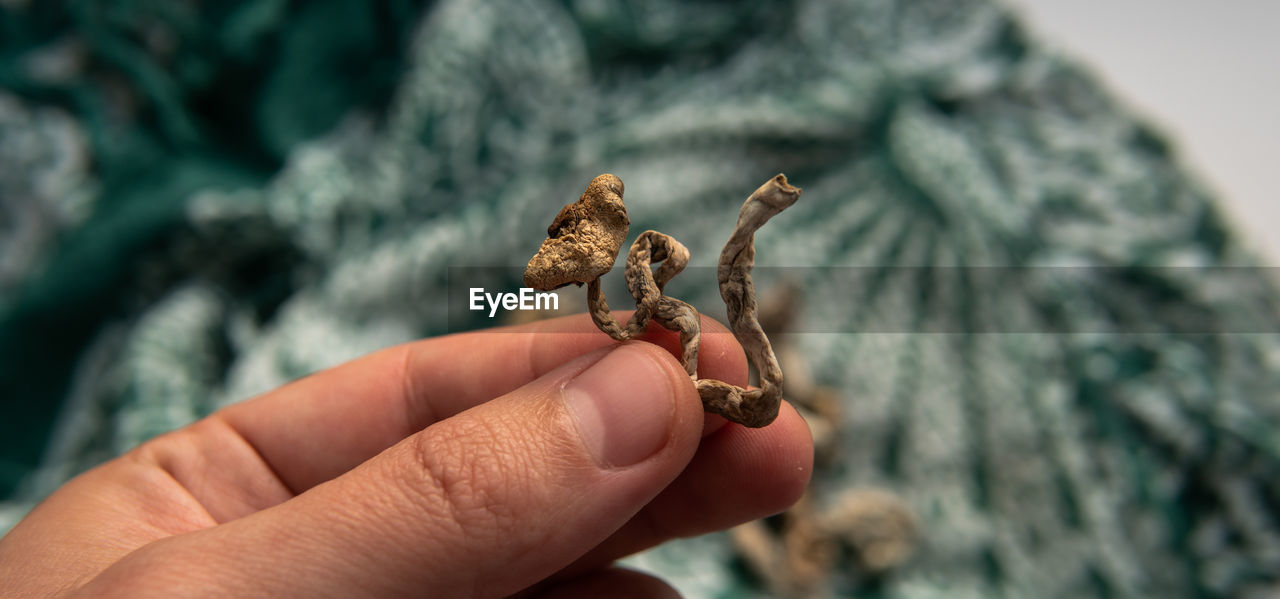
(739, 294)
(583, 244)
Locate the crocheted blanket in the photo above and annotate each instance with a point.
(1045, 342)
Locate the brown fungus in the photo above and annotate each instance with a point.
(583, 243)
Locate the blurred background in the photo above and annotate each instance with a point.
(1025, 298)
(1204, 74)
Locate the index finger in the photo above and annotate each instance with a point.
(317, 428)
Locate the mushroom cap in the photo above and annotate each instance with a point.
(584, 239)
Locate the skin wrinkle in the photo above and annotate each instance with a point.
(376, 499)
(453, 494)
(570, 460)
(194, 478)
(347, 533)
(432, 509)
(189, 470)
(474, 499)
(498, 467)
(226, 428)
(154, 457)
(173, 523)
(417, 409)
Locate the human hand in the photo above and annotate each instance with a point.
(519, 460)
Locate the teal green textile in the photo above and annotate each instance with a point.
(201, 201)
(139, 105)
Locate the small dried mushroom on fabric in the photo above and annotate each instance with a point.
(583, 243)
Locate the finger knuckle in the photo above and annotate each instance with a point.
(468, 475)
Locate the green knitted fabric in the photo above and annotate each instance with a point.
(202, 201)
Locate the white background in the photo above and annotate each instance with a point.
(1205, 73)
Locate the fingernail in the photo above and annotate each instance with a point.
(623, 406)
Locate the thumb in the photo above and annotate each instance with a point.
(484, 503)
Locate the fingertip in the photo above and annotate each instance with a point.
(721, 357)
(793, 440)
(633, 403)
(739, 474)
(772, 464)
(690, 418)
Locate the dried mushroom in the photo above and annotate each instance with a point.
(583, 243)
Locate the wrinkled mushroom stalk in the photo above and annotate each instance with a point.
(569, 256)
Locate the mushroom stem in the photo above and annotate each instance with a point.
(600, 315)
(756, 407)
(678, 316)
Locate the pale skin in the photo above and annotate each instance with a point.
(459, 466)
